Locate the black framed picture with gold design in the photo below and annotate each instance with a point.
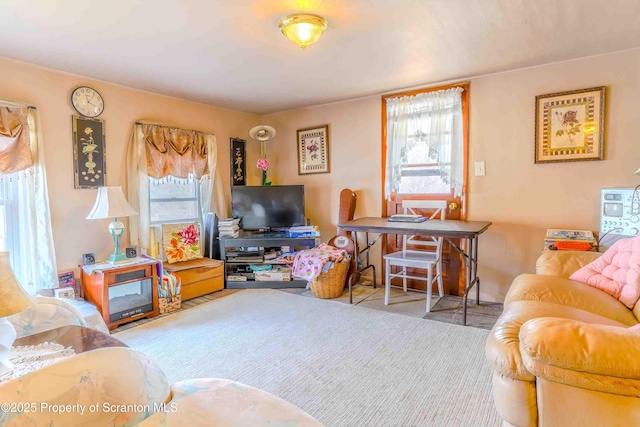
(238, 162)
(89, 156)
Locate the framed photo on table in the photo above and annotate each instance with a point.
(313, 150)
(89, 156)
(570, 126)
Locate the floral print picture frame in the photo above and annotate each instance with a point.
(181, 242)
(313, 150)
(570, 126)
(89, 153)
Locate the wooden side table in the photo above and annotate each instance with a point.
(123, 292)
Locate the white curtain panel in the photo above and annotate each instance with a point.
(435, 118)
(33, 255)
(138, 188)
(211, 191)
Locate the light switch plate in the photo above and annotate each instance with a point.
(480, 171)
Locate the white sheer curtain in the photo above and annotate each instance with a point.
(431, 118)
(33, 256)
(211, 192)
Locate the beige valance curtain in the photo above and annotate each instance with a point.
(176, 152)
(159, 150)
(15, 147)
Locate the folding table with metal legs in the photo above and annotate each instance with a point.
(448, 229)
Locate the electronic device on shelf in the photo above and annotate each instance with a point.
(619, 214)
(266, 208)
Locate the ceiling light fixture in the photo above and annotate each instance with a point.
(303, 29)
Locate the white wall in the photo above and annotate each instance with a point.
(50, 92)
(522, 199)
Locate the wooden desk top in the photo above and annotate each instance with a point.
(446, 228)
(81, 339)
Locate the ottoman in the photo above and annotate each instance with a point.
(198, 276)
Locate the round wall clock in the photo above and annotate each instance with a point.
(87, 101)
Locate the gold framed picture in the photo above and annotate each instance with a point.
(89, 156)
(570, 126)
(313, 150)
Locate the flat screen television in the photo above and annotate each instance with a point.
(271, 207)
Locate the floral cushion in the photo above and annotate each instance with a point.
(181, 242)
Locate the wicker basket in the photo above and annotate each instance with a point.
(167, 305)
(331, 283)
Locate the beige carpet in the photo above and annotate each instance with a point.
(345, 365)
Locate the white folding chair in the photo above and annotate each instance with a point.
(416, 258)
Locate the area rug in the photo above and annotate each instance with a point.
(345, 365)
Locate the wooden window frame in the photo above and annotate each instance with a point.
(465, 134)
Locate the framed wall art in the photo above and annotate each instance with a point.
(313, 150)
(570, 126)
(238, 162)
(89, 157)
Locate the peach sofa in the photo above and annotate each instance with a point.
(562, 352)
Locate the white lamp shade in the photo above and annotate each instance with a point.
(262, 133)
(110, 203)
(638, 171)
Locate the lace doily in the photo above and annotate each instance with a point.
(29, 358)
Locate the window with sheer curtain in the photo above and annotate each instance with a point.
(425, 143)
(172, 177)
(173, 200)
(25, 221)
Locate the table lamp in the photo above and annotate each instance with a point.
(111, 203)
(13, 299)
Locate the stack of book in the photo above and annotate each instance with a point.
(573, 240)
(407, 218)
(304, 231)
(229, 227)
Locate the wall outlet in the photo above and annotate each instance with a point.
(480, 171)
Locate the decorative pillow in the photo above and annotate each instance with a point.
(616, 272)
(181, 242)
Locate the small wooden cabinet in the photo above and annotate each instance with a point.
(123, 293)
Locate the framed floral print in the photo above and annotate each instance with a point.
(570, 126)
(313, 150)
(89, 157)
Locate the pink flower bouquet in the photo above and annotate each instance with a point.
(262, 164)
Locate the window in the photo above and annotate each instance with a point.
(174, 200)
(9, 218)
(424, 142)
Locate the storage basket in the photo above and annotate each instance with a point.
(170, 304)
(331, 283)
